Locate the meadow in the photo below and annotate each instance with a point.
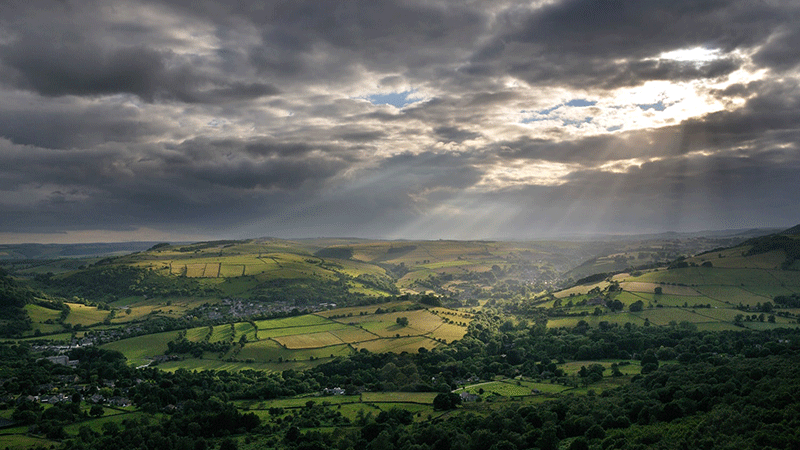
(304, 340)
(80, 314)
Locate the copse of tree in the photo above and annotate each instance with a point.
(158, 246)
(445, 401)
(592, 279)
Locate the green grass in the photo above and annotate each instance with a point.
(351, 411)
(222, 333)
(297, 321)
(511, 388)
(295, 402)
(268, 351)
(97, 424)
(245, 329)
(411, 407)
(620, 318)
(449, 332)
(234, 366)
(139, 350)
(627, 367)
(278, 332)
(768, 326)
(353, 334)
(22, 441)
(579, 290)
(196, 334)
(397, 345)
(84, 315)
(544, 388)
(310, 340)
(399, 397)
(663, 316)
(39, 314)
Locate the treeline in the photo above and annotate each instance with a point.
(790, 245)
(111, 282)
(306, 291)
(718, 403)
(13, 297)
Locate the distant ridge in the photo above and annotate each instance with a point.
(786, 240)
(794, 231)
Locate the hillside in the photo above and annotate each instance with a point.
(274, 276)
(727, 288)
(334, 340)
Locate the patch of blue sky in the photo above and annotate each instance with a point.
(658, 106)
(547, 111)
(614, 128)
(396, 99)
(545, 114)
(580, 102)
(534, 119)
(577, 123)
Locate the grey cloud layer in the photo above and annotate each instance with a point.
(250, 118)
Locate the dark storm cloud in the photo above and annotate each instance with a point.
(71, 124)
(644, 28)
(56, 69)
(455, 134)
(771, 116)
(252, 116)
(117, 187)
(362, 136)
(377, 31)
(612, 44)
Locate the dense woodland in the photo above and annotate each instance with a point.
(696, 390)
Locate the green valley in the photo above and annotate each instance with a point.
(343, 342)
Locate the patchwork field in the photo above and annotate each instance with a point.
(719, 297)
(274, 343)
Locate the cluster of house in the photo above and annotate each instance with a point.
(468, 397)
(48, 395)
(52, 399)
(92, 338)
(241, 308)
(333, 391)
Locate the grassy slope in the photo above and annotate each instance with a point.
(710, 297)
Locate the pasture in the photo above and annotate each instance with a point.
(141, 349)
(80, 314)
(292, 331)
(40, 314)
(289, 322)
(24, 441)
(304, 339)
(232, 366)
(397, 345)
(399, 397)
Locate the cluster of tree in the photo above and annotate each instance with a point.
(788, 301)
(788, 243)
(308, 291)
(113, 281)
(181, 345)
(383, 284)
(724, 390)
(13, 297)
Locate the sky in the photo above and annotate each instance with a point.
(465, 119)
